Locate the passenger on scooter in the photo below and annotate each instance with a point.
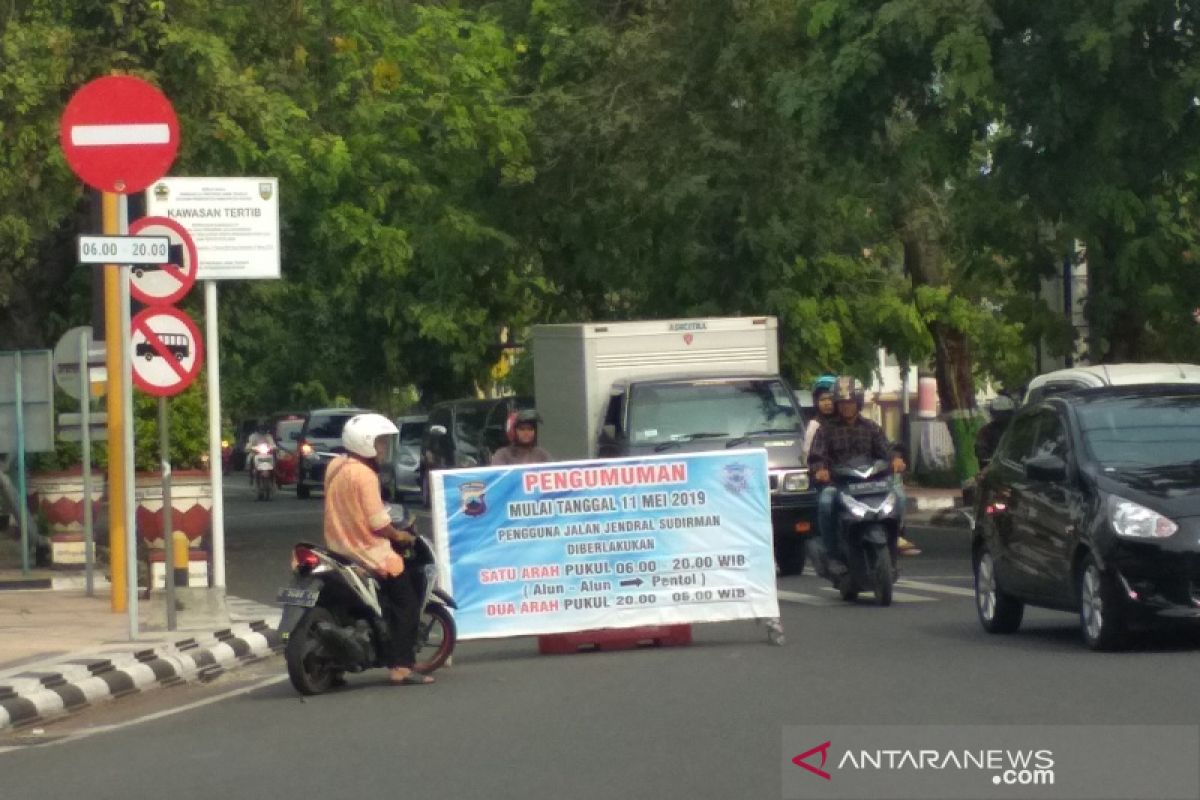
(358, 526)
(822, 395)
(523, 447)
(836, 443)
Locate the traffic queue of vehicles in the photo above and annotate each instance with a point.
(1091, 503)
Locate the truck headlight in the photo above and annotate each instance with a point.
(795, 482)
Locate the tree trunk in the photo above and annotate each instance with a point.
(923, 259)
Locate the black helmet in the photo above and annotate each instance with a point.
(528, 416)
(848, 388)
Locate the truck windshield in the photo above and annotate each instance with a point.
(675, 412)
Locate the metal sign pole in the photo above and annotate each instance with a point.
(126, 384)
(164, 450)
(22, 500)
(214, 434)
(85, 408)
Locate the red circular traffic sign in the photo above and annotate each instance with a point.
(165, 350)
(119, 134)
(162, 286)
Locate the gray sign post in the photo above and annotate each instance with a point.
(26, 421)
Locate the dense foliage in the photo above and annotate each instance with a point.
(899, 172)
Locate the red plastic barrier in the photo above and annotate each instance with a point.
(615, 639)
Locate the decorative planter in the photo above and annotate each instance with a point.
(191, 507)
(58, 496)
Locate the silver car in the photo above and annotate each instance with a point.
(400, 472)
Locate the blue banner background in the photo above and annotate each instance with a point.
(528, 557)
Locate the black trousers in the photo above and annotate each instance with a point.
(402, 613)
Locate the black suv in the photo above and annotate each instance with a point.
(1091, 504)
(320, 441)
(465, 433)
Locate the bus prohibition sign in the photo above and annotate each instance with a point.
(165, 350)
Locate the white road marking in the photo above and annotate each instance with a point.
(73, 737)
(110, 135)
(798, 597)
(817, 600)
(935, 587)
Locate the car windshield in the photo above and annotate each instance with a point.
(701, 409)
(328, 427)
(284, 430)
(1142, 432)
(411, 433)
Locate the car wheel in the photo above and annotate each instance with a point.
(999, 612)
(1101, 619)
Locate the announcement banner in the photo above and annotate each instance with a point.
(615, 543)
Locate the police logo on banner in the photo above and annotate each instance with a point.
(471, 497)
(733, 476)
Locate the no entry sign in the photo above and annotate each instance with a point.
(119, 134)
(166, 351)
(162, 286)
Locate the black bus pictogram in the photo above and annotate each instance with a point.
(177, 344)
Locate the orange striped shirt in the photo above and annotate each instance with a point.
(354, 510)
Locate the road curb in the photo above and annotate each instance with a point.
(78, 683)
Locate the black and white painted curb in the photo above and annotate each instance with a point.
(44, 693)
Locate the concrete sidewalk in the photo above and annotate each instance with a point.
(62, 651)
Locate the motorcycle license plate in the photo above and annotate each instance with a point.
(291, 596)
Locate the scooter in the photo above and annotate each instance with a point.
(869, 529)
(263, 466)
(334, 624)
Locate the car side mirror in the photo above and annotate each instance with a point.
(437, 430)
(1046, 468)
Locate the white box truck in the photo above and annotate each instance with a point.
(611, 389)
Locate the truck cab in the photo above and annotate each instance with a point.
(647, 387)
(720, 412)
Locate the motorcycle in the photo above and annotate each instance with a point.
(333, 621)
(263, 467)
(869, 528)
(226, 456)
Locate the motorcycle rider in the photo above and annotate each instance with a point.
(358, 526)
(261, 435)
(837, 442)
(822, 394)
(523, 447)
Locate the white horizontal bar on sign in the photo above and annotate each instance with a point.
(110, 135)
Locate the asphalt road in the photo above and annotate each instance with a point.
(695, 722)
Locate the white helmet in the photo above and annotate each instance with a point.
(359, 434)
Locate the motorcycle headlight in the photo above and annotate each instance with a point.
(1134, 521)
(889, 504)
(857, 510)
(795, 482)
